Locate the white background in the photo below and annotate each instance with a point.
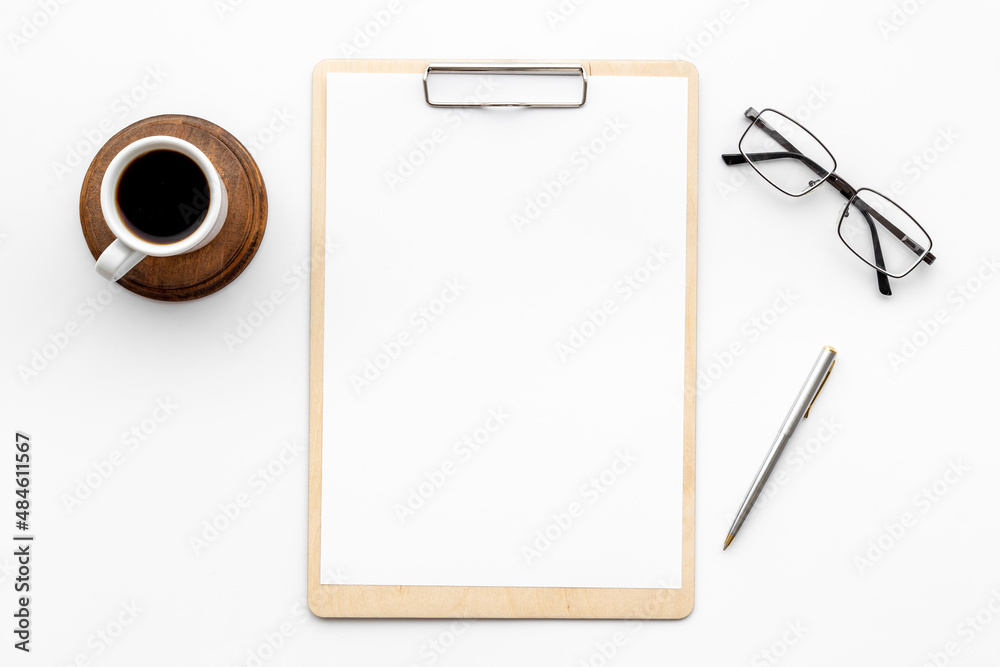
(878, 99)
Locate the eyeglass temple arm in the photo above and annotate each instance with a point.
(849, 192)
(839, 183)
(880, 275)
(883, 279)
(841, 186)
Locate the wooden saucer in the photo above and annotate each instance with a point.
(208, 269)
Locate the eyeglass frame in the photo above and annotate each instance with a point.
(844, 188)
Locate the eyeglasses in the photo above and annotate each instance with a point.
(872, 226)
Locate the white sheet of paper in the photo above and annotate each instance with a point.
(504, 337)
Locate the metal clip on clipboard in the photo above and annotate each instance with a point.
(544, 69)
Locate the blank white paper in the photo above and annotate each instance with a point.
(504, 337)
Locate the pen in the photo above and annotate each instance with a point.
(800, 409)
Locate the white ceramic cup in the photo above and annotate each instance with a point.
(127, 249)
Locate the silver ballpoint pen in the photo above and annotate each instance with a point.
(800, 409)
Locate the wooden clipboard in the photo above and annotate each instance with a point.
(347, 600)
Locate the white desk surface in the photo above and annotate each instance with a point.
(871, 548)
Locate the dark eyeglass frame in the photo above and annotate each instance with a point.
(843, 187)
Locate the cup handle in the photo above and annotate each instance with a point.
(117, 260)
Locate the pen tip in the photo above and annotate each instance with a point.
(729, 540)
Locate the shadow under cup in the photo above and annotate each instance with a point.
(162, 196)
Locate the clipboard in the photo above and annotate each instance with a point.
(348, 598)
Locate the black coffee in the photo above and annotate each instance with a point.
(162, 196)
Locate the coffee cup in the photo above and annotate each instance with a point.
(161, 196)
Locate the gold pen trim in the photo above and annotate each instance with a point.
(822, 385)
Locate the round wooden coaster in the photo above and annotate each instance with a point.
(208, 269)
